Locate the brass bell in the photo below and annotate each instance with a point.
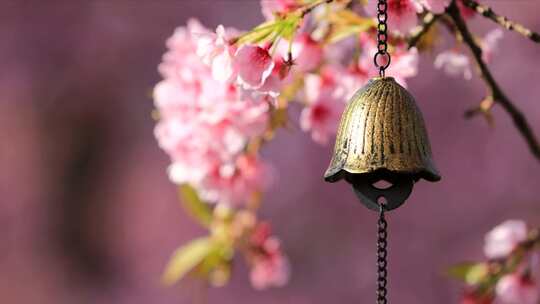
(382, 136)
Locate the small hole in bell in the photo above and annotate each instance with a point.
(381, 200)
(382, 184)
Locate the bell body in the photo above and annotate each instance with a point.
(382, 136)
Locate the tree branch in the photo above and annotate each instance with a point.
(496, 92)
(487, 12)
(419, 31)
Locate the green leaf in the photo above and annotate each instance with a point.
(468, 272)
(194, 206)
(271, 31)
(187, 257)
(260, 33)
(216, 266)
(290, 25)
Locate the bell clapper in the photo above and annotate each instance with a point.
(382, 148)
(394, 195)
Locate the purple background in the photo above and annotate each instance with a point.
(88, 215)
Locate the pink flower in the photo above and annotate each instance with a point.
(307, 53)
(216, 51)
(232, 183)
(281, 76)
(260, 234)
(280, 7)
(401, 14)
(454, 63)
(504, 238)
(253, 64)
(404, 64)
(269, 266)
(179, 61)
(174, 96)
(516, 289)
(436, 6)
(272, 271)
(205, 124)
(490, 44)
(321, 118)
(355, 77)
(324, 105)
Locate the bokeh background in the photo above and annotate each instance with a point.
(87, 212)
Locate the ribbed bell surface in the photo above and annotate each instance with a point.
(382, 130)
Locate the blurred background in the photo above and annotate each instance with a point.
(88, 214)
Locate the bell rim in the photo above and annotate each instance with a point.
(333, 175)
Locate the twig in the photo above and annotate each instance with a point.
(419, 31)
(483, 108)
(487, 12)
(496, 92)
(311, 7)
(513, 259)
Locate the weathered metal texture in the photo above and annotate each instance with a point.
(382, 129)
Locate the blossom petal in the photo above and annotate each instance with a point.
(253, 65)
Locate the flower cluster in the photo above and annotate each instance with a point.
(215, 100)
(269, 266)
(507, 275)
(455, 62)
(402, 14)
(205, 123)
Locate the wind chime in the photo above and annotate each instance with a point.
(382, 137)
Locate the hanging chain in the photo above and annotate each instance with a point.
(382, 272)
(382, 61)
(382, 57)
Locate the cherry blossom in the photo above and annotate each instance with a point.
(401, 14)
(516, 289)
(279, 77)
(270, 267)
(454, 63)
(324, 105)
(307, 53)
(253, 64)
(216, 51)
(502, 239)
(404, 64)
(231, 183)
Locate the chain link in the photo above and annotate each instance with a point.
(382, 271)
(382, 57)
